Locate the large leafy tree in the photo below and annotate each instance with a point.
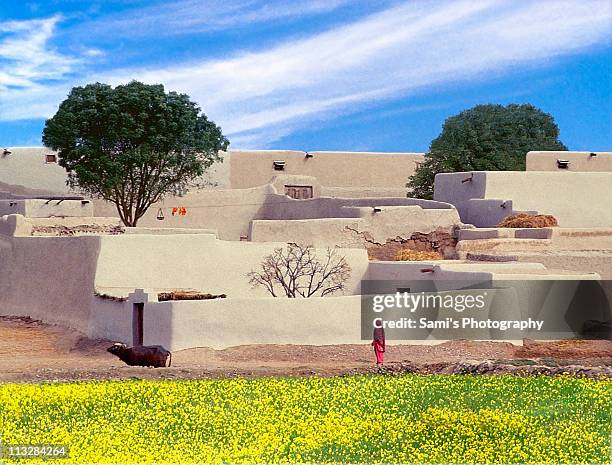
(485, 138)
(133, 144)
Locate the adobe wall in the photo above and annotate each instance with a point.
(223, 323)
(111, 319)
(192, 261)
(466, 271)
(228, 211)
(538, 239)
(37, 208)
(18, 225)
(359, 192)
(220, 324)
(332, 169)
(280, 207)
(54, 278)
(577, 249)
(26, 167)
(382, 233)
(49, 278)
(483, 198)
(381, 173)
(578, 161)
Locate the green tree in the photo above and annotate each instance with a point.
(133, 144)
(485, 138)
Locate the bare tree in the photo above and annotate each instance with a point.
(298, 272)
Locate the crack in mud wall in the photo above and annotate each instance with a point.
(439, 241)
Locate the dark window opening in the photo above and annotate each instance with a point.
(563, 164)
(299, 192)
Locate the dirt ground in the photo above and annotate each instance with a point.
(31, 351)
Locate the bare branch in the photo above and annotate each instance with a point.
(299, 272)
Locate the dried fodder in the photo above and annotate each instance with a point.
(187, 295)
(82, 229)
(526, 220)
(416, 255)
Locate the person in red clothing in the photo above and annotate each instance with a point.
(379, 345)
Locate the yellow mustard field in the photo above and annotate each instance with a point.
(356, 419)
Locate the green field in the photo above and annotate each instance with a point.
(357, 419)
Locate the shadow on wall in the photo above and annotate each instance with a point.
(219, 324)
(230, 212)
(49, 278)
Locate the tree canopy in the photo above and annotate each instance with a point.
(133, 144)
(485, 138)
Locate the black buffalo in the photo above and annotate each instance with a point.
(144, 356)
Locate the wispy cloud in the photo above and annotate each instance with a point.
(25, 55)
(30, 69)
(197, 16)
(395, 52)
(259, 97)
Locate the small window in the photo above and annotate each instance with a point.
(279, 165)
(563, 164)
(50, 158)
(299, 192)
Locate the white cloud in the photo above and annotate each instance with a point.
(192, 16)
(259, 97)
(94, 52)
(31, 102)
(25, 54)
(391, 53)
(30, 69)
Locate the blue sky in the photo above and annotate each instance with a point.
(317, 74)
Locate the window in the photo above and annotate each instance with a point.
(563, 164)
(279, 165)
(50, 158)
(299, 192)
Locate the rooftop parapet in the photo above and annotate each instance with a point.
(47, 207)
(569, 161)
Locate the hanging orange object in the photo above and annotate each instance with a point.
(180, 211)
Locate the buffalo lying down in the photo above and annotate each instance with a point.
(145, 356)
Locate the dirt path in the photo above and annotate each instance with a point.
(31, 351)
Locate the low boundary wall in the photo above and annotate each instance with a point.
(225, 323)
